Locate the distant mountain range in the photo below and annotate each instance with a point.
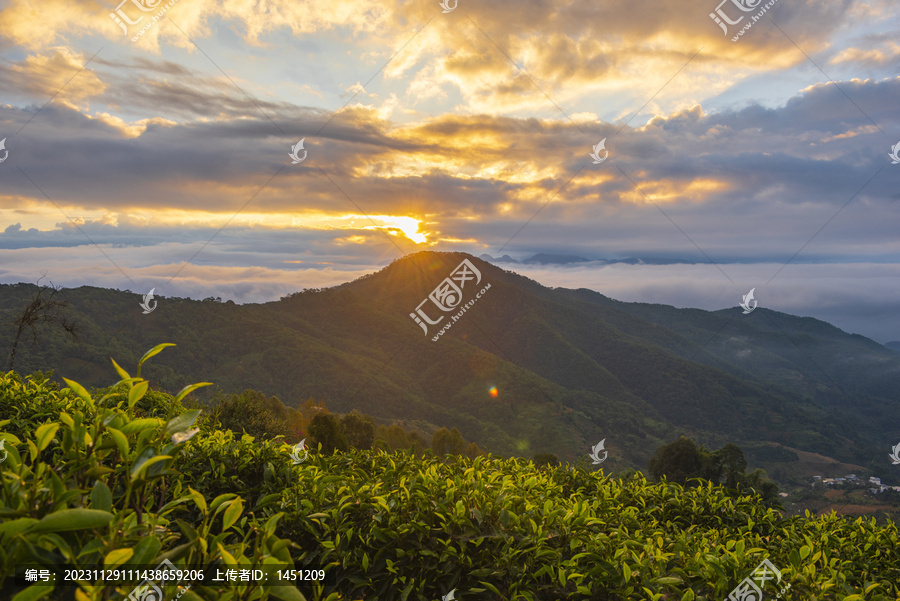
(895, 345)
(550, 259)
(522, 369)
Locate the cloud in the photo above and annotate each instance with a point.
(62, 76)
(461, 131)
(719, 174)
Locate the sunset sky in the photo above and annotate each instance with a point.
(164, 162)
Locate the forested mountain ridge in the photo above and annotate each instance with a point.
(570, 367)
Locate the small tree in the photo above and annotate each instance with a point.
(252, 412)
(444, 442)
(417, 442)
(43, 308)
(545, 460)
(761, 485)
(732, 463)
(677, 461)
(394, 436)
(325, 429)
(359, 429)
(472, 451)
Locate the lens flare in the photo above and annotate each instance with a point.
(494, 392)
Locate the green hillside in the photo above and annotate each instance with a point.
(571, 367)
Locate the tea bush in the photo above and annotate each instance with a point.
(102, 479)
(87, 483)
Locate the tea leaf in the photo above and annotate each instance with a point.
(80, 391)
(182, 422)
(137, 392)
(117, 557)
(101, 497)
(152, 353)
(232, 514)
(140, 424)
(33, 592)
(67, 520)
(189, 389)
(44, 435)
(122, 373)
(120, 441)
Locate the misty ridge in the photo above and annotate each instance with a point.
(567, 363)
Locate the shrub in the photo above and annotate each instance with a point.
(325, 430)
(94, 485)
(545, 459)
(358, 429)
(253, 413)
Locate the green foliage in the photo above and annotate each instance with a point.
(629, 368)
(682, 461)
(88, 481)
(545, 459)
(677, 461)
(756, 483)
(395, 438)
(42, 308)
(730, 464)
(325, 430)
(445, 441)
(358, 429)
(472, 451)
(253, 413)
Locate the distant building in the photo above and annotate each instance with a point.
(850, 476)
(782, 494)
(817, 477)
(839, 480)
(828, 481)
(875, 480)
